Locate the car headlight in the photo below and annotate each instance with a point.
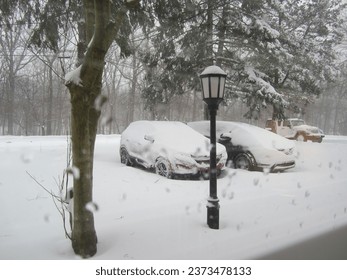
(287, 151)
(201, 159)
(184, 160)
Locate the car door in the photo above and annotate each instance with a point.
(225, 137)
(283, 128)
(140, 145)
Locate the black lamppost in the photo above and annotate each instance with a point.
(213, 83)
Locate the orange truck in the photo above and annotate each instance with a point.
(295, 129)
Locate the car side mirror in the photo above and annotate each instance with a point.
(225, 136)
(149, 138)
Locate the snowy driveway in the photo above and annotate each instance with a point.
(144, 216)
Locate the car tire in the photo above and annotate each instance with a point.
(300, 137)
(125, 157)
(163, 168)
(244, 161)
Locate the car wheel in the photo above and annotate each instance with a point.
(124, 157)
(163, 168)
(300, 137)
(243, 161)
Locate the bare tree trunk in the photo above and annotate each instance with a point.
(99, 34)
(221, 36)
(10, 104)
(131, 98)
(209, 54)
(83, 125)
(13, 51)
(195, 100)
(50, 99)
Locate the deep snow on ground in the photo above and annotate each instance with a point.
(144, 216)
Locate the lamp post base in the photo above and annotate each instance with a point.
(213, 214)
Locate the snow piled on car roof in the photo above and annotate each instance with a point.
(175, 135)
(245, 134)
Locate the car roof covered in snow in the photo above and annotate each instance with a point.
(245, 134)
(171, 134)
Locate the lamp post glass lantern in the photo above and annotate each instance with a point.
(213, 84)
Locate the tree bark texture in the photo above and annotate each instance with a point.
(99, 34)
(84, 237)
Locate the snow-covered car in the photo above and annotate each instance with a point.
(250, 147)
(170, 148)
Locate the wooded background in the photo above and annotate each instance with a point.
(296, 49)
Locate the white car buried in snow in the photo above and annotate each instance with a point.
(251, 147)
(170, 148)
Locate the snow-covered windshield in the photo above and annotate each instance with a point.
(297, 122)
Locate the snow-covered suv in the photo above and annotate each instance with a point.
(294, 128)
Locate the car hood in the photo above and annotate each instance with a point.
(246, 135)
(271, 157)
(198, 146)
(250, 136)
(306, 127)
